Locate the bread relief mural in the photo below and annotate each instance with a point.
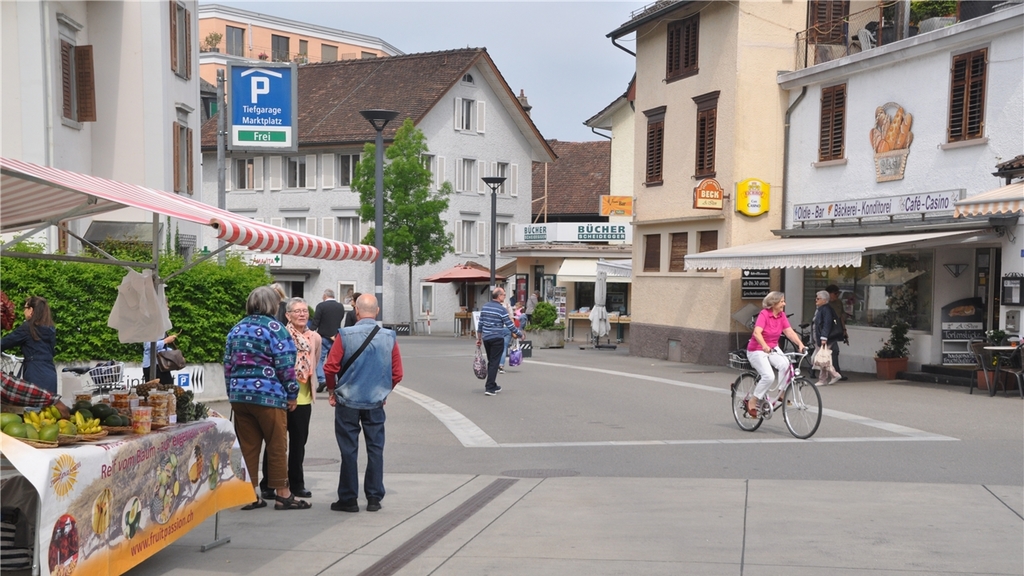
(890, 139)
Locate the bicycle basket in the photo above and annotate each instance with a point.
(108, 376)
(738, 360)
(11, 364)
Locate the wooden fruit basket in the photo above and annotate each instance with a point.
(93, 437)
(66, 439)
(38, 443)
(112, 430)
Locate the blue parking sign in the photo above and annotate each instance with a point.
(262, 106)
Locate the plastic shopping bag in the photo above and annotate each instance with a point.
(515, 354)
(823, 358)
(479, 364)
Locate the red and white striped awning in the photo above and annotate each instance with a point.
(1006, 200)
(31, 195)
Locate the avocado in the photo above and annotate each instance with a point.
(112, 420)
(82, 405)
(101, 411)
(125, 420)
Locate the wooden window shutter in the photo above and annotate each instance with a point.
(310, 225)
(458, 236)
(327, 228)
(827, 19)
(439, 176)
(327, 163)
(673, 50)
(976, 94)
(706, 124)
(708, 242)
(364, 229)
(459, 168)
(275, 172)
(689, 40)
(482, 238)
(311, 171)
(85, 84)
(67, 83)
(174, 35)
(188, 136)
(481, 115)
(655, 151)
(458, 114)
(480, 170)
(967, 96)
(831, 138)
(188, 45)
(229, 165)
(652, 252)
(279, 222)
(513, 186)
(257, 173)
(176, 146)
(677, 254)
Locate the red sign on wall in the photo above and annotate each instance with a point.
(708, 195)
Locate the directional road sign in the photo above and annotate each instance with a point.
(263, 107)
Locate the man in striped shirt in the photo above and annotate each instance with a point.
(493, 326)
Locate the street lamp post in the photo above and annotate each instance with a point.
(494, 182)
(379, 119)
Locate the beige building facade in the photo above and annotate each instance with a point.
(707, 107)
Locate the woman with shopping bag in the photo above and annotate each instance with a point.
(827, 331)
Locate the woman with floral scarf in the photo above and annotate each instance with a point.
(307, 353)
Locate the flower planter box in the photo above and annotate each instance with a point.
(886, 368)
(1009, 379)
(547, 338)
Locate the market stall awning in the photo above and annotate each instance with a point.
(1006, 200)
(584, 270)
(819, 252)
(33, 195)
(463, 273)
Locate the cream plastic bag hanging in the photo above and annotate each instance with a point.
(140, 311)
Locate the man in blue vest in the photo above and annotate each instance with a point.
(358, 400)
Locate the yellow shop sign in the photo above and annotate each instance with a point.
(753, 196)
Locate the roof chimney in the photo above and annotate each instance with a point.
(523, 102)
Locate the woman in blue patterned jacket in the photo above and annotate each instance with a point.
(259, 370)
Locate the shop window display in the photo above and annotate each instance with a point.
(885, 288)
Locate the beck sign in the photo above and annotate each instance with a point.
(262, 106)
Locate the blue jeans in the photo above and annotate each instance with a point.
(347, 423)
(504, 350)
(325, 349)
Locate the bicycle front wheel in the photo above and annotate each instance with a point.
(742, 389)
(802, 408)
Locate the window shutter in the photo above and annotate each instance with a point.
(275, 172)
(514, 180)
(460, 167)
(652, 252)
(228, 163)
(967, 96)
(976, 99)
(257, 173)
(458, 113)
(831, 138)
(85, 84)
(311, 226)
(67, 85)
(481, 115)
(188, 45)
(364, 229)
(655, 150)
(458, 236)
(259, 219)
(677, 254)
(689, 43)
(311, 171)
(279, 222)
(479, 168)
(174, 35)
(706, 122)
(481, 238)
(188, 136)
(673, 49)
(327, 228)
(327, 163)
(494, 172)
(439, 177)
(176, 146)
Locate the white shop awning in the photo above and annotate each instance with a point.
(583, 270)
(821, 252)
(1007, 200)
(623, 268)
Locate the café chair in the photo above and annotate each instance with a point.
(983, 359)
(1015, 365)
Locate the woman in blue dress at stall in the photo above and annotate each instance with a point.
(37, 339)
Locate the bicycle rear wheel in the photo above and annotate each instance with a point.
(802, 408)
(742, 389)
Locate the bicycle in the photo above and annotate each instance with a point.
(797, 396)
(11, 364)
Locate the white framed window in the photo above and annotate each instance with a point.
(430, 163)
(348, 230)
(345, 169)
(469, 115)
(466, 175)
(468, 107)
(295, 224)
(346, 289)
(465, 236)
(467, 79)
(501, 169)
(182, 152)
(504, 234)
(295, 172)
(426, 299)
(248, 173)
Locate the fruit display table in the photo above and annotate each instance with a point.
(106, 506)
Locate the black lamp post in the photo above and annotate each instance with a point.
(494, 182)
(379, 119)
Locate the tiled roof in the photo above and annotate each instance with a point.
(331, 94)
(1012, 164)
(577, 180)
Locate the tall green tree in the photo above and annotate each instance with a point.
(414, 232)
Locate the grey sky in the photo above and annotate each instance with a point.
(556, 51)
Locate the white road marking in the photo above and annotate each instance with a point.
(472, 436)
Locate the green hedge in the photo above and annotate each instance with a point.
(205, 303)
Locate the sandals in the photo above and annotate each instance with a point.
(259, 503)
(290, 503)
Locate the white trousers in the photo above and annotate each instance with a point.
(764, 363)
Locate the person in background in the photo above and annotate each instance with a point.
(358, 400)
(517, 314)
(494, 326)
(531, 305)
(164, 377)
(762, 350)
(350, 316)
(508, 336)
(825, 329)
(279, 290)
(37, 339)
(307, 350)
(259, 373)
(327, 319)
(837, 307)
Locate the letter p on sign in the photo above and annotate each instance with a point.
(260, 85)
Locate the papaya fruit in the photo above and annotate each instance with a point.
(17, 429)
(9, 418)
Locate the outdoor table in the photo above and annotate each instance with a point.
(463, 323)
(104, 507)
(1002, 353)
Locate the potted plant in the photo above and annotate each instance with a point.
(263, 56)
(212, 41)
(544, 330)
(995, 337)
(895, 352)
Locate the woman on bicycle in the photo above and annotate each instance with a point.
(37, 339)
(771, 324)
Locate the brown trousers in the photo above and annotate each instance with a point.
(256, 425)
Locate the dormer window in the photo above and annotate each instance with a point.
(468, 78)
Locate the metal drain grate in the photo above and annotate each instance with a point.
(540, 473)
(429, 536)
(320, 461)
